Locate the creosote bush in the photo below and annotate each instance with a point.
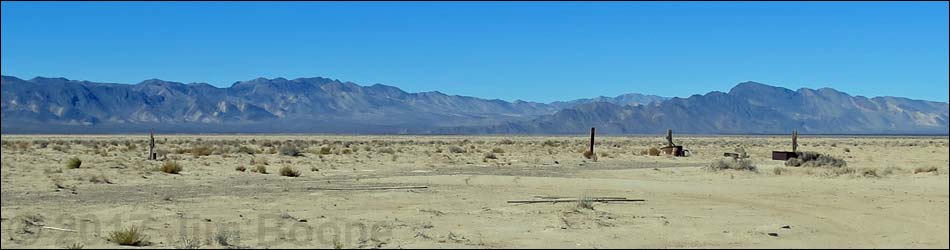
(816, 160)
(73, 163)
(171, 167)
(260, 169)
(290, 150)
(456, 150)
(732, 164)
(289, 171)
(202, 150)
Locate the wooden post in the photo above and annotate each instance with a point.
(794, 141)
(591, 141)
(669, 138)
(151, 145)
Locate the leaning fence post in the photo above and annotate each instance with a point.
(151, 145)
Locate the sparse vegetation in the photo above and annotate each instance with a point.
(240, 168)
(386, 151)
(185, 242)
(128, 237)
(456, 150)
(262, 169)
(202, 150)
(290, 150)
(498, 151)
(73, 163)
(732, 164)
(812, 159)
(490, 155)
(289, 171)
(586, 201)
(652, 152)
(75, 245)
(589, 155)
(225, 237)
(171, 167)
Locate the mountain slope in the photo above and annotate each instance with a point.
(748, 108)
(260, 105)
(322, 105)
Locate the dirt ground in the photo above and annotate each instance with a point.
(893, 193)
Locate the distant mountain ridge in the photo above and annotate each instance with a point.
(749, 108)
(323, 105)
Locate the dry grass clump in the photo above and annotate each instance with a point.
(490, 155)
(651, 152)
(456, 150)
(73, 163)
(386, 151)
(128, 237)
(225, 237)
(586, 201)
(507, 142)
(289, 171)
(732, 164)
(201, 150)
(171, 167)
(498, 151)
(240, 168)
(260, 169)
(812, 159)
(290, 150)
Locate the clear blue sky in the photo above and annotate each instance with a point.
(535, 51)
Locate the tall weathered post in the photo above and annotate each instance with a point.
(669, 138)
(592, 141)
(794, 141)
(151, 145)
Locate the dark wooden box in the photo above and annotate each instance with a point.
(783, 155)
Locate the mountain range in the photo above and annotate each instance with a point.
(322, 105)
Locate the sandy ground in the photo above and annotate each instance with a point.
(883, 203)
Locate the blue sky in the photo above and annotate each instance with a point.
(535, 51)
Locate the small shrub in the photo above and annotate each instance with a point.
(387, 151)
(812, 159)
(171, 167)
(490, 155)
(325, 150)
(456, 150)
(589, 155)
(549, 143)
(289, 171)
(186, 242)
(289, 150)
(128, 237)
(498, 151)
(246, 150)
(778, 170)
(240, 168)
(73, 163)
(653, 152)
(732, 164)
(75, 245)
(260, 169)
(347, 151)
(224, 237)
(202, 150)
(585, 202)
(507, 142)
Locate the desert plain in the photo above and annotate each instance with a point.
(329, 191)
